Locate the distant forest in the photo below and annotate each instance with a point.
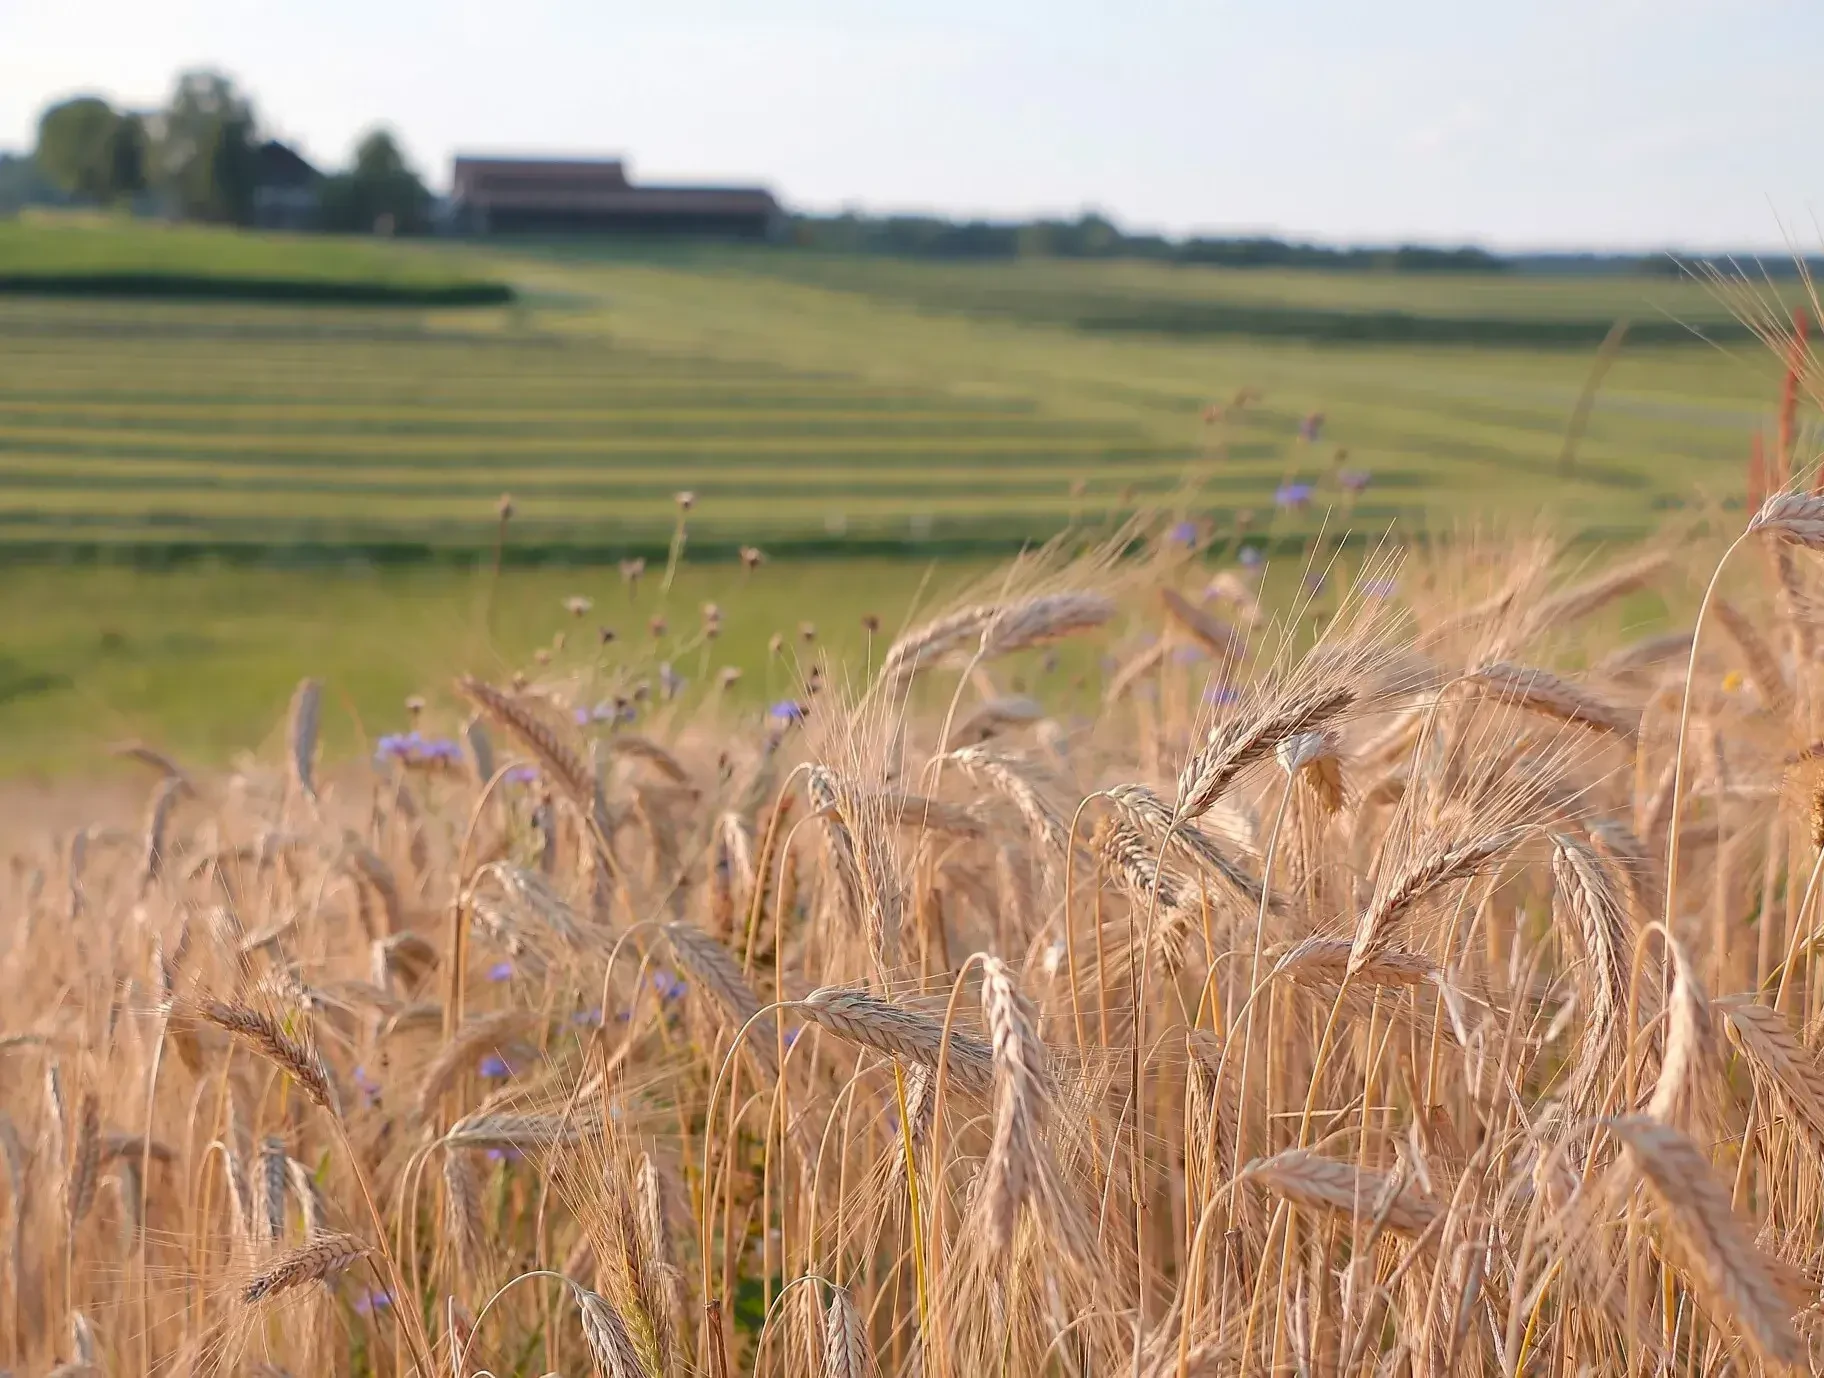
(1095, 236)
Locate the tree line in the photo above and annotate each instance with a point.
(1095, 236)
(200, 157)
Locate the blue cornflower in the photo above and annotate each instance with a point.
(786, 711)
(372, 1300)
(669, 985)
(501, 971)
(1293, 495)
(369, 1088)
(494, 1066)
(1183, 533)
(1221, 694)
(1353, 480)
(1250, 557)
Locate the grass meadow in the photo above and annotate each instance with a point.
(822, 408)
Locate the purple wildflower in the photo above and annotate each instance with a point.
(786, 711)
(501, 971)
(494, 1066)
(1314, 583)
(369, 1088)
(1222, 695)
(669, 985)
(372, 1300)
(590, 1018)
(581, 715)
(1188, 655)
(1250, 557)
(1379, 588)
(1311, 427)
(522, 775)
(414, 748)
(1184, 533)
(1353, 480)
(1293, 496)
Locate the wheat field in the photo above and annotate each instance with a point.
(1414, 977)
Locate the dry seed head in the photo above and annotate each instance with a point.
(1018, 782)
(1794, 517)
(990, 719)
(1326, 962)
(85, 1161)
(1763, 664)
(1151, 818)
(1367, 1196)
(1584, 894)
(719, 974)
(266, 1037)
(1216, 636)
(845, 1340)
(1253, 735)
(311, 1205)
(1780, 1063)
(606, 1333)
(1021, 1087)
(301, 736)
(1427, 871)
(1540, 691)
(315, 1262)
(1718, 1247)
(898, 1031)
(1686, 1075)
(1580, 600)
(274, 1171)
(462, 1219)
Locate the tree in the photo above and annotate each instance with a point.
(206, 149)
(91, 151)
(379, 194)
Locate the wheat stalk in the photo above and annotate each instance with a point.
(318, 1261)
(1540, 691)
(845, 1339)
(1252, 737)
(301, 736)
(1021, 1086)
(719, 974)
(898, 1031)
(1781, 1064)
(1797, 518)
(264, 1035)
(1718, 1248)
(1585, 896)
(989, 719)
(1427, 871)
(607, 1335)
(1309, 1179)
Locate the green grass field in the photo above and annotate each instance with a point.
(71, 254)
(815, 404)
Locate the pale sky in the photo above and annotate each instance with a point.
(1557, 123)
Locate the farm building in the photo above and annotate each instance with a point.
(287, 190)
(555, 196)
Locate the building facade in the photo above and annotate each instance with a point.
(595, 196)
